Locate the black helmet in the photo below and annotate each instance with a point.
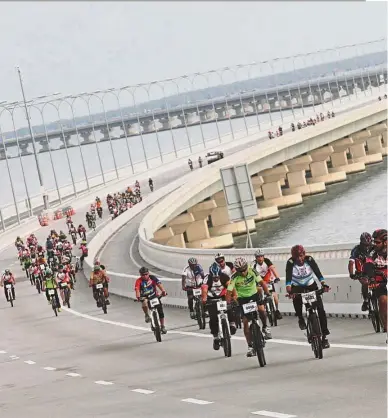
(143, 270)
(366, 238)
(380, 235)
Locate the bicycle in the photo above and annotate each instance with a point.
(10, 289)
(257, 338)
(224, 334)
(154, 315)
(53, 300)
(66, 291)
(199, 308)
(38, 282)
(314, 332)
(101, 297)
(270, 307)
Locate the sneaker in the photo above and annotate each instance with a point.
(192, 315)
(163, 329)
(267, 333)
(325, 343)
(251, 352)
(233, 328)
(364, 306)
(278, 315)
(107, 302)
(216, 343)
(147, 318)
(302, 324)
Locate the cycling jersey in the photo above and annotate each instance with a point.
(302, 275)
(147, 288)
(263, 269)
(193, 278)
(381, 266)
(215, 288)
(227, 269)
(50, 282)
(246, 286)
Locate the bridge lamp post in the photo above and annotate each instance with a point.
(117, 96)
(51, 103)
(303, 57)
(359, 67)
(254, 64)
(131, 90)
(345, 76)
(288, 85)
(197, 107)
(235, 71)
(2, 140)
(270, 63)
(64, 100)
(50, 152)
(204, 75)
(313, 58)
(11, 113)
(86, 101)
(173, 80)
(95, 94)
(295, 71)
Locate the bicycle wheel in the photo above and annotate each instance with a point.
(237, 316)
(200, 312)
(38, 285)
(226, 342)
(157, 331)
(54, 306)
(103, 304)
(10, 298)
(257, 341)
(272, 313)
(374, 314)
(67, 297)
(315, 335)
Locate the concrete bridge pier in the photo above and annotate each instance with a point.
(44, 146)
(131, 129)
(375, 145)
(166, 123)
(319, 169)
(203, 116)
(23, 146)
(86, 136)
(148, 126)
(339, 159)
(65, 139)
(211, 114)
(105, 132)
(358, 153)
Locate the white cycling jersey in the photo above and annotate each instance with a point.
(192, 279)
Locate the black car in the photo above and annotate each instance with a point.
(214, 156)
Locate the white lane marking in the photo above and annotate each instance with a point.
(196, 401)
(103, 382)
(73, 374)
(273, 414)
(197, 335)
(50, 369)
(30, 362)
(3, 352)
(14, 357)
(143, 391)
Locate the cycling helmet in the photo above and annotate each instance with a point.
(97, 262)
(193, 261)
(297, 251)
(259, 253)
(48, 271)
(366, 238)
(96, 268)
(380, 235)
(143, 270)
(7, 271)
(60, 266)
(215, 270)
(84, 242)
(219, 255)
(240, 264)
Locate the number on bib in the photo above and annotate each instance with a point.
(197, 292)
(309, 297)
(42, 267)
(221, 305)
(63, 285)
(8, 286)
(249, 307)
(99, 286)
(154, 302)
(51, 292)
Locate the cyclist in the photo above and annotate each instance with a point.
(266, 270)
(8, 278)
(98, 263)
(62, 236)
(379, 256)
(84, 252)
(225, 266)
(81, 231)
(151, 184)
(89, 219)
(357, 257)
(213, 289)
(246, 283)
(96, 277)
(49, 282)
(300, 271)
(146, 288)
(19, 243)
(62, 277)
(192, 278)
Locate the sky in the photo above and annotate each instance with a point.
(73, 47)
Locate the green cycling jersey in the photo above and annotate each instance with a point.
(50, 282)
(246, 286)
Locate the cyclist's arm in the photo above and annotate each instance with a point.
(205, 287)
(315, 268)
(183, 281)
(261, 283)
(230, 290)
(289, 267)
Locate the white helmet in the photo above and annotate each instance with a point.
(259, 253)
(240, 264)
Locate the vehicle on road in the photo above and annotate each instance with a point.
(214, 156)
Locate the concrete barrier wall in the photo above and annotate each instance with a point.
(258, 158)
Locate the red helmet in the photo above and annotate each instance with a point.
(297, 251)
(380, 235)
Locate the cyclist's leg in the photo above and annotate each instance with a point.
(213, 319)
(57, 298)
(232, 320)
(261, 310)
(381, 294)
(161, 313)
(144, 306)
(47, 295)
(6, 293)
(247, 333)
(190, 300)
(364, 292)
(322, 316)
(13, 292)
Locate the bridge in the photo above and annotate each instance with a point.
(183, 375)
(283, 97)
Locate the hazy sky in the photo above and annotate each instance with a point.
(79, 46)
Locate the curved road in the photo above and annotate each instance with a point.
(87, 364)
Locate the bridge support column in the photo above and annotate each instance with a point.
(181, 223)
(85, 135)
(320, 173)
(2, 153)
(166, 123)
(270, 175)
(44, 145)
(240, 111)
(339, 159)
(23, 146)
(211, 114)
(163, 235)
(272, 194)
(65, 139)
(297, 184)
(375, 145)
(378, 129)
(105, 132)
(148, 126)
(358, 154)
(221, 224)
(131, 129)
(202, 210)
(361, 135)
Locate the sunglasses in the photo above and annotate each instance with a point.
(220, 260)
(377, 242)
(242, 270)
(144, 274)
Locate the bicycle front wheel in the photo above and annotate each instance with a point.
(156, 325)
(315, 335)
(200, 312)
(257, 341)
(375, 315)
(226, 341)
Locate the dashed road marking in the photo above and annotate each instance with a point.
(273, 414)
(143, 391)
(234, 338)
(30, 362)
(50, 368)
(103, 382)
(196, 401)
(3, 352)
(14, 357)
(73, 374)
